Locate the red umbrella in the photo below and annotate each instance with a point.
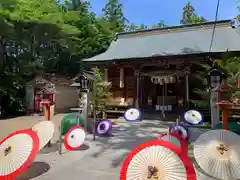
(17, 151)
(157, 159)
(175, 139)
(74, 138)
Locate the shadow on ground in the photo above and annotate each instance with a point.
(55, 148)
(126, 137)
(83, 147)
(36, 169)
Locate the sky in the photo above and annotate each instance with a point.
(149, 12)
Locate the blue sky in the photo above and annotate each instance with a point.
(149, 12)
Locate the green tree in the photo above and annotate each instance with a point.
(189, 16)
(32, 35)
(113, 14)
(231, 65)
(103, 93)
(44, 36)
(161, 24)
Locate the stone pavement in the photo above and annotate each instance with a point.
(101, 161)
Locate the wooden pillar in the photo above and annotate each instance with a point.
(137, 88)
(165, 95)
(106, 75)
(187, 89)
(141, 91)
(121, 78)
(125, 86)
(163, 100)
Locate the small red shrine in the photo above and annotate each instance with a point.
(44, 93)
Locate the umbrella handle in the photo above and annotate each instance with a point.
(60, 140)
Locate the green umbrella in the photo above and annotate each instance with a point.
(232, 126)
(71, 120)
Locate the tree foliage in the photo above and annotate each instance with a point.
(189, 16)
(231, 65)
(103, 93)
(45, 36)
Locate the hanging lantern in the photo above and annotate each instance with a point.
(121, 78)
(166, 80)
(155, 80)
(172, 79)
(161, 81)
(152, 79)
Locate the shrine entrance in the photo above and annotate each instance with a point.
(164, 91)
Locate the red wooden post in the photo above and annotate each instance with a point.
(225, 115)
(47, 106)
(225, 106)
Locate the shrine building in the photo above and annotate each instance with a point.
(155, 69)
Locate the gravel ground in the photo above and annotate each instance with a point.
(100, 159)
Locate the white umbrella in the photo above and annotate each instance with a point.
(202, 176)
(157, 159)
(44, 130)
(74, 138)
(17, 151)
(218, 153)
(193, 117)
(132, 114)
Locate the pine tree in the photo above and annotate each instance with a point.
(189, 16)
(113, 14)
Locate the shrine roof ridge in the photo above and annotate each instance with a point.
(178, 27)
(193, 39)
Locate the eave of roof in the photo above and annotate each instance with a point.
(170, 41)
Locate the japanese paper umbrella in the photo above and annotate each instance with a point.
(193, 117)
(217, 152)
(44, 130)
(175, 139)
(157, 159)
(202, 176)
(170, 138)
(74, 138)
(180, 130)
(17, 151)
(132, 115)
(104, 127)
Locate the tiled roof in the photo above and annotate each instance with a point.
(177, 40)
